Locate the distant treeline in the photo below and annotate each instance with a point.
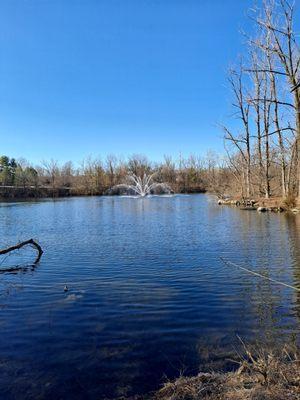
(194, 174)
(19, 178)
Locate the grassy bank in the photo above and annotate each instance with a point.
(262, 375)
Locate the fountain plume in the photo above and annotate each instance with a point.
(142, 185)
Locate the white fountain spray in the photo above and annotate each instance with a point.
(142, 186)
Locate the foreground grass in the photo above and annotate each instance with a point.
(262, 375)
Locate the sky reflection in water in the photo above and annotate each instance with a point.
(148, 294)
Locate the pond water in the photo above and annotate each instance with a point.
(148, 295)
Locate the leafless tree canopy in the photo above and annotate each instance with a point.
(264, 151)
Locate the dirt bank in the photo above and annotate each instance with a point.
(274, 204)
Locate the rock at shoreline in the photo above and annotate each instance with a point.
(262, 205)
(229, 202)
(262, 209)
(295, 210)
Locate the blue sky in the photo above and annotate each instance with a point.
(94, 77)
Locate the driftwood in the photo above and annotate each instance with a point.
(18, 246)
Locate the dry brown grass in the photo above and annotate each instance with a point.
(262, 375)
(290, 202)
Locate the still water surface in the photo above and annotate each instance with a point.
(148, 294)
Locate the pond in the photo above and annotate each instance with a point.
(149, 296)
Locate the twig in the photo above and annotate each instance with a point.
(229, 263)
(18, 246)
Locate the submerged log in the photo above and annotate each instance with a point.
(18, 246)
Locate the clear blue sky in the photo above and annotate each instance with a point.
(93, 77)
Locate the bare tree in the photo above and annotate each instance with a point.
(277, 23)
(51, 169)
(242, 139)
(66, 174)
(139, 165)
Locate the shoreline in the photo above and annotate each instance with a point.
(269, 374)
(261, 205)
(273, 204)
(19, 194)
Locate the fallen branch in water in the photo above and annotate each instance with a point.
(18, 246)
(229, 263)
